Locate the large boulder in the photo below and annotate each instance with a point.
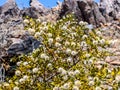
(9, 9)
(111, 8)
(85, 10)
(70, 6)
(35, 10)
(92, 12)
(23, 44)
(36, 4)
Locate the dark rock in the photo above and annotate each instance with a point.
(9, 9)
(36, 4)
(35, 10)
(70, 6)
(91, 12)
(25, 45)
(31, 12)
(111, 8)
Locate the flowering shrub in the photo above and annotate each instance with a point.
(71, 57)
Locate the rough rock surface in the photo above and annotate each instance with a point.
(14, 40)
(111, 8)
(36, 4)
(8, 10)
(111, 31)
(92, 12)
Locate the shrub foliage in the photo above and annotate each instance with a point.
(71, 57)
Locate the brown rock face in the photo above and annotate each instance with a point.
(9, 9)
(12, 32)
(111, 8)
(91, 12)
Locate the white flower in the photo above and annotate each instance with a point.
(25, 63)
(32, 31)
(91, 83)
(75, 88)
(95, 42)
(25, 77)
(67, 43)
(71, 73)
(110, 88)
(49, 35)
(117, 78)
(50, 40)
(16, 83)
(112, 42)
(38, 20)
(64, 72)
(57, 44)
(98, 88)
(87, 55)
(21, 80)
(69, 59)
(83, 43)
(64, 28)
(58, 39)
(26, 21)
(102, 41)
(44, 56)
(73, 44)
(16, 88)
(85, 62)
(84, 37)
(90, 61)
(81, 23)
(41, 32)
(77, 83)
(65, 77)
(98, 38)
(73, 34)
(76, 72)
(66, 86)
(6, 84)
(35, 70)
(37, 34)
(18, 63)
(90, 78)
(17, 73)
(68, 51)
(73, 53)
(56, 88)
(10, 81)
(49, 65)
(98, 33)
(60, 69)
(40, 79)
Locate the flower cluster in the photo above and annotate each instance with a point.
(66, 60)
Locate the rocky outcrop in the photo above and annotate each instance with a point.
(9, 10)
(110, 8)
(31, 12)
(36, 4)
(92, 12)
(35, 10)
(22, 44)
(13, 39)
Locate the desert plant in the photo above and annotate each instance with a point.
(67, 59)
